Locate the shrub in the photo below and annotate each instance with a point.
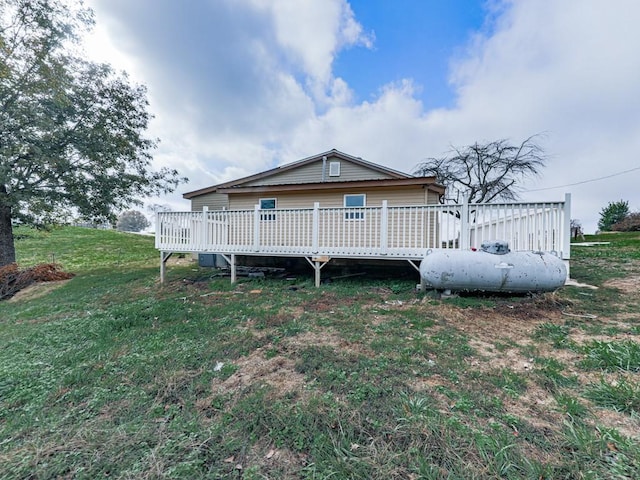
(613, 213)
(630, 223)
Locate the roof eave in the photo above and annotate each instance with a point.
(428, 182)
(289, 166)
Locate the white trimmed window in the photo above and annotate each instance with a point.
(268, 204)
(334, 169)
(352, 202)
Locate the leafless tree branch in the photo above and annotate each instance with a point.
(485, 172)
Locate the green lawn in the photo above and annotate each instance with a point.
(111, 375)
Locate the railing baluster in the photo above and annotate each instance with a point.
(399, 231)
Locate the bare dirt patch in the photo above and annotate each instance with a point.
(503, 336)
(278, 373)
(425, 384)
(626, 425)
(284, 315)
(582, 338)
(181, 259)
(323, 338)
(266, 455)
(538, 407)
(628, 285)
(326, 338)
(327, 303)
(504, 323)
(37, 290)
(490, 358)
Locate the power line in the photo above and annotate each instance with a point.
(584, 181)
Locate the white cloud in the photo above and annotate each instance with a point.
(241, 85)
(310, 34)
(568, 70)
(313, 32)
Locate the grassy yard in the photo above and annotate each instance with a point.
(110, 375)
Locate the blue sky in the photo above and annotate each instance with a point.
(413, 39)
(239, 86)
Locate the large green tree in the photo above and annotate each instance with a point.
(132, 221)
(613, 213)
(72, 131)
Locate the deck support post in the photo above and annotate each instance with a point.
(232, 263)
(318, 278)
(422, 286)
(164, 256)
(317, 263)
(231, 260)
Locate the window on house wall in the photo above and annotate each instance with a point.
(334, 169)
(268, 204)
(354, 201)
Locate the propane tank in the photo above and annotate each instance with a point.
(493, 268)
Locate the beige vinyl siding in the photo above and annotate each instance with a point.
(215, 201)
(432, 197)
(351, 171)
(329, 199)
(312, 173)
(397, 197)
(418, 229)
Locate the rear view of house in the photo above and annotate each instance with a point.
(337, 206)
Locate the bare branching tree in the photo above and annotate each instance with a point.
(485, 172)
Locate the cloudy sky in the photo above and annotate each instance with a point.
(240, 86)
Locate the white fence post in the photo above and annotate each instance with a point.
(158, 230)
(315, 228)
(464, 224)
(256, 228)
(384, 228)
(566, 234)
(205, 221)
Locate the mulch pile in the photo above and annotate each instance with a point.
(12, 279)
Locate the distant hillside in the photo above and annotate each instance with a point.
(79, 249)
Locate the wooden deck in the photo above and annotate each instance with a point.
(384, 232)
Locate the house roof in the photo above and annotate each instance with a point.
(429, 182)
(236, 185)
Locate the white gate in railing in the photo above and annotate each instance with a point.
(384, 231)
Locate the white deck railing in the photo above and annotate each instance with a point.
(405, 232)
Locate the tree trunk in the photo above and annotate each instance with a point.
(7, 247)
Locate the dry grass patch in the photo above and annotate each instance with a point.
(627, 285)
(324, 338)
(503, 337)
(538, 407)
(264, 456)
(254, 370)
(626, 425)
(37, 290)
